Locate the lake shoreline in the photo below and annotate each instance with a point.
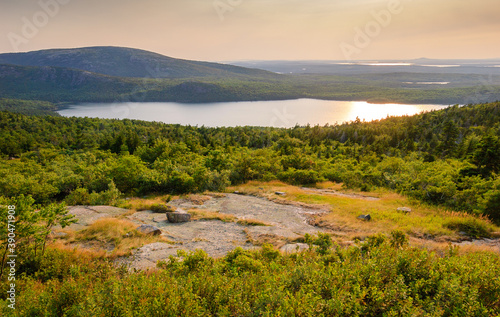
(273, 113)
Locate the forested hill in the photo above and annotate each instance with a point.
(114, 74)
(127, 62)
(57, 84)
(28, 107)
(447, 157)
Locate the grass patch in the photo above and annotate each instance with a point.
(138, 204)
(422, 221)
(162, 208)
(215, 194)
(266, 238)
(252, 222)
(472, 227)
(198, 199)
(111, 233)
(198, 214)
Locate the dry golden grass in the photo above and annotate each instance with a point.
(138, 204)
(198, 199)
(215, 194)
(259, 240)
(442, 247)
(118, 236)
(200, 240)
(422, 221)
(252, 222)
(259, 188)
(83, 254)
(201, 214)
(126, 214)
(329, 185)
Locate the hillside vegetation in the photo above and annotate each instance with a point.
(28, 107)
(126, 62)
(444, 162)
(447, 157)
(381, 276)
(66, 85)
(114, 74)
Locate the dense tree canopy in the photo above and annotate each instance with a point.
(447, 157)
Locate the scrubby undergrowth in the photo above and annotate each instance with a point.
(381, 276)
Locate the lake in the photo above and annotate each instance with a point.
(280, 113)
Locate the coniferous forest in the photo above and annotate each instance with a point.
(447, 159)
(266, 158)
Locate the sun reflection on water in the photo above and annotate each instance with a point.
(369, 112)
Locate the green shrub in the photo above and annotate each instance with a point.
(300, 177)
(373, 242)
(195, 260)
(79, 196)
(245, 263)
(491, 205)
(108, 197)
(230, 256)
(323, 241)
(268, 252)
(471, 226)
(160, 208)
(386, 282)
(398, 239)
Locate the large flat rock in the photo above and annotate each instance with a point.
(285, 222)
(87, 215)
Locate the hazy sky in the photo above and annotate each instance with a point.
(222, 30)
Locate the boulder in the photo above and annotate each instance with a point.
(365, 217)
(178, 217)
(280, 193)
(149, 230)
(404, 209)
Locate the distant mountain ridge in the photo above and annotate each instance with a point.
(117, 74)
(127, 62)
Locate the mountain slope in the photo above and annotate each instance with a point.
(59, 84)
(127, 62)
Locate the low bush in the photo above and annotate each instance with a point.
(387, 281)
(470, 226)
(81, 196)
(160, 208)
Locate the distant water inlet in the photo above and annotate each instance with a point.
(280, 113)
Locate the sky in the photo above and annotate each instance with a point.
(231, 30)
